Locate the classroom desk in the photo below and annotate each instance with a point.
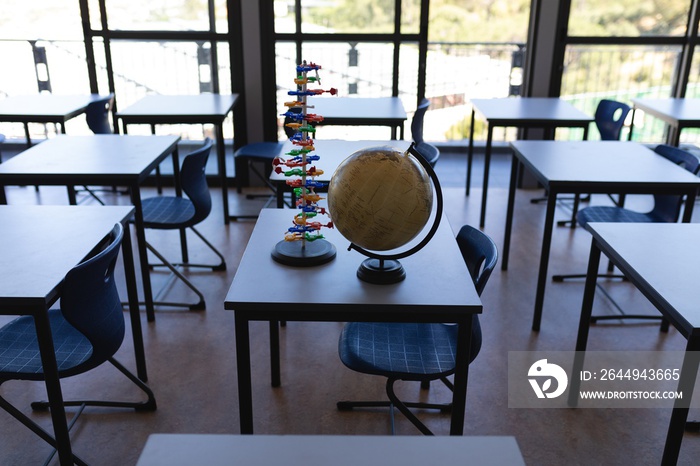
(100, 159)
(44, 108)
(360, 111)
(332, 153)
(678, 113)
(265, 290)
(523, 112)
(667, 276)
(39, 245)
(326, 450)
(186, 109)
(596, 167)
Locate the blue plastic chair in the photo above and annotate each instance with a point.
(247, 158)
(666, 207)
(179, 213)
(610, 119)
(97, 118)
(97, 115)
(416, 351)
(417, 121)
(87, 331)
(427, 150)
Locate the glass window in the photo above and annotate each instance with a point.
(40, 19)
(410, 16)
(161, 15)
(348, 16)
(595, 72)
(475, 48)
(143, 67)
(631, 18)
(693, 89)
(284, 16)
(474, 20)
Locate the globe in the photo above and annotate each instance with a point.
(380, 198)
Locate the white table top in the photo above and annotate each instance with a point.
(27, 107)
(326, 450)
(665, 257)
(672, 110)
(436, 277)
(513, 110)
(99, 154)
(599, 162)
(358, 108)
(164, 106)
(40, 244)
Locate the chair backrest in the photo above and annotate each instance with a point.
(479, 253)
(194, 181)
(610, 118)
(429, 152)
(97, 115)
(90, 301)
(289, 132)
(417, 121)
(667, 207)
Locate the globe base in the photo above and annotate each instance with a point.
(381, 272)
(303, 253)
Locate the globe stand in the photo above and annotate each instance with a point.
(385, 269)
(303, 253)
(381, 272)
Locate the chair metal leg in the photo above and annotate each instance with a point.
(401, 405)
(561, 278)
(199, 306)
(148, 405)
(622, 314)
(31, 425)
(404, 409)
(271, 197)
(221, 266)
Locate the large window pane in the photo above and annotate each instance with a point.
(40, 19)
(410, 16)
(369, 76)
(347, 16)
(474, 20)
(475, 49)
(592, 73)
(458, 72)
(160, 15)
(630, 18)
(142, 67)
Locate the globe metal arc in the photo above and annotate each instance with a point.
(380, 199)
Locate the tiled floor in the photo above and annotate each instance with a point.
(191, 358)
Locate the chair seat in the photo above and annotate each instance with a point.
(260, 150)
(167, 212)
(19, 350)
(406, 350)
(613, 214)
